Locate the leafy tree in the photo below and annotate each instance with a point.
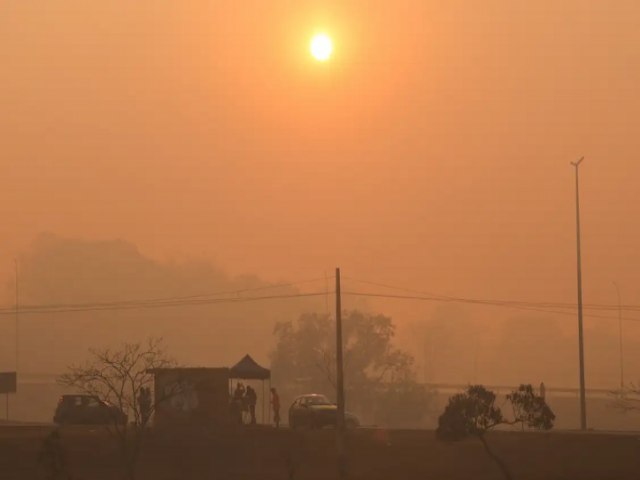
(474, 413)
(470, 413)
(304, 358)
(531, 409)
(118, 377)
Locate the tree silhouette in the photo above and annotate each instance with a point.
(118, 377)
(474, 413)
(377, 375)
(531, 409)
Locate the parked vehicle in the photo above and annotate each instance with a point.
(317, 411)
(87, 410)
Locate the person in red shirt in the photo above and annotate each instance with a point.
(275, 402)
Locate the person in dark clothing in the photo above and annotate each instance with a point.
(52, 458)
(234, 410)
(239, 401)
(250, 399)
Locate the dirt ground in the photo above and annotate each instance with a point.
(266, 453)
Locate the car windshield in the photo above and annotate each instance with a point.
(318, 400)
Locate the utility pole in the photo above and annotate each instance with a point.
(583, 400)
(17, 327)
(340, 444)
(620, 335)
(15, 264)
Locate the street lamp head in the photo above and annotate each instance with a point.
(575, 164)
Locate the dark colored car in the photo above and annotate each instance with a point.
(87, 410)
(316, 411)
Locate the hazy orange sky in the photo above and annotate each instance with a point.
(432, 151)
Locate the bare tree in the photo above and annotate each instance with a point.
(627, 399)
(326, 363)
(121, 377)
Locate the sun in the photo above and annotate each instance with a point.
(321, 47)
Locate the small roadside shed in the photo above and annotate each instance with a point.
(248, 369)
(191, 395)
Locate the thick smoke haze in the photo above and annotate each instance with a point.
(319, 239)
(432, 154)
(59, 271)
(451, 343)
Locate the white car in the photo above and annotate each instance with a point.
(317, 411)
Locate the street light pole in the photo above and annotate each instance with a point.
(583, 401)
(339, 382)
(620, 336)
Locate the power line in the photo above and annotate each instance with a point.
(435, 296)
(476, 302)
(152, 302)
(210, 299)
(132, 306)
(244, 290)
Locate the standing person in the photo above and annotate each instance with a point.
(251, 400)
(543, 391)
(275, 403)
(52, 457)
(239, 391)
(238, 400)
